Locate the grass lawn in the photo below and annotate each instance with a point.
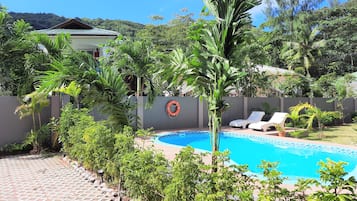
(346, 134)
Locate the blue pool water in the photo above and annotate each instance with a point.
(295, 159)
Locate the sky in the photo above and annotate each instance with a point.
(133, 10)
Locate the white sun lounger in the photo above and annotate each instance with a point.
(277, 118)
(255, 116)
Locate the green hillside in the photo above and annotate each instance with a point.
(47, 20)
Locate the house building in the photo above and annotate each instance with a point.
(83, 36)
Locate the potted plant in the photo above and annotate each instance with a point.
(281, 130)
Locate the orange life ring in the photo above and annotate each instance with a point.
(168, 108)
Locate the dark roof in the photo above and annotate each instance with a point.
(72, 24)
(77, 28)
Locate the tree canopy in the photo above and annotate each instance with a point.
(300, 35)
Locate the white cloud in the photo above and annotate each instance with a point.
(257, 12)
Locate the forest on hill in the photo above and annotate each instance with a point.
(47, 20)
(39, 20)
(318, 42)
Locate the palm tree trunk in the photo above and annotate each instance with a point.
(39, 120)
(320, 128)
(33, 121)
(311, 94)
(35, 146)
(138, 86)
(215, 128)
(76, 101)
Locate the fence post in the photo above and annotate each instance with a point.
(334, 105)
(55, 106)
(65, 99)
(200, 113)
(282, 104)
(140, 112)
(245, 107)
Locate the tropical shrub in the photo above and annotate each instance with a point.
(337, 88)
(293, 86)
(186, 175)
(70, 117)
(298, 133)
(40, 138)
(226, 183)
(44, 136)
(145, 174)
(297, 116)
(65, 122)
(98, 146)
(32, 105)
(54, 127)
(301, 188)
(75, 146)
(14, 148)
(270, 188)
(311, 115)
(124, 144)
(321, 117)
(329, 117)
(92, 143)
(334, 183)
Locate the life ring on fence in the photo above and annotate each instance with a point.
(168, 108)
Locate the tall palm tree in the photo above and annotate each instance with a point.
(47, 50)
(304, 47)
(210, 70)
(136, 60)
(55, 47)
(76, 66)
(73, 90)
(102, 87)
(109, 93)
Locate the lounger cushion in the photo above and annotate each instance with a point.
(277, 118)
(239, 123)
(255, 116)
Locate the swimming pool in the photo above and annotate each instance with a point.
(296, 159)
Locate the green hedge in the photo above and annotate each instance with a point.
(146, 175)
